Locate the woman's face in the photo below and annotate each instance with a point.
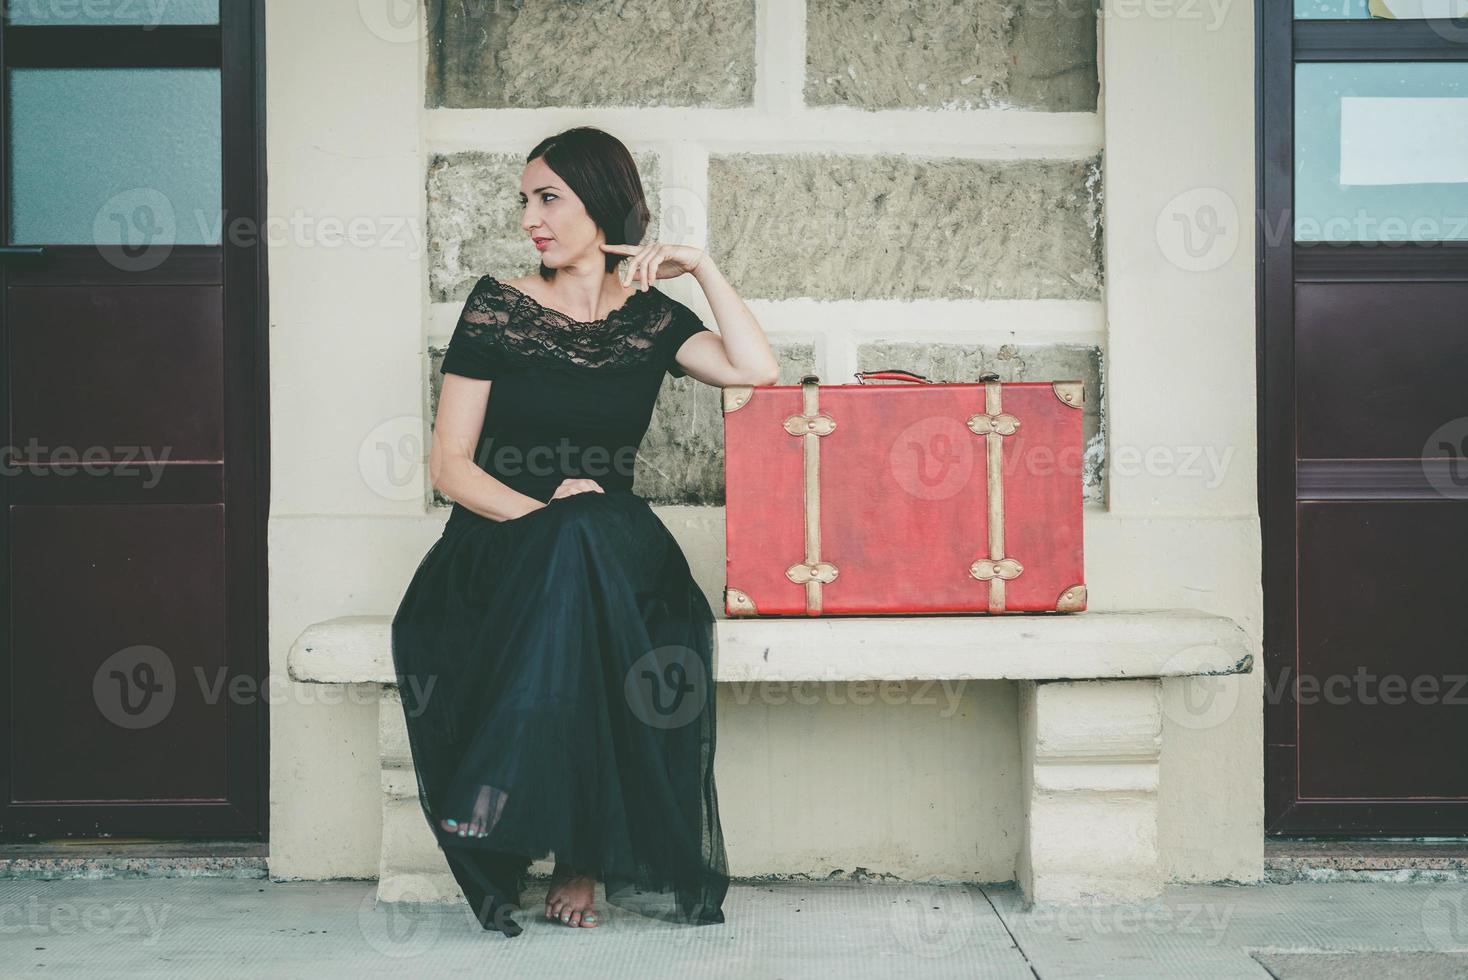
(555, 219)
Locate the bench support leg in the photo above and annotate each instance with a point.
(1090, 752)
(411, 866)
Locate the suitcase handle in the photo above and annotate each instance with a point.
(891, 374)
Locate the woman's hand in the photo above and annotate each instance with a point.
(572, 486)
(655, 260)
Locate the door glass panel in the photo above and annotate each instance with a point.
(1394, 9)
(1381, 151)
(1330, 9)
(112, 11)
(115, 156)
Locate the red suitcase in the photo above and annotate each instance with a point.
(919, 497)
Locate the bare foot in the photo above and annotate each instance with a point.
(487, 809)
(570, 898)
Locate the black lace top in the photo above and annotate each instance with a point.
(571, 398)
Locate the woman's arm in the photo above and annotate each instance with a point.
(739, 352)
(451, 467)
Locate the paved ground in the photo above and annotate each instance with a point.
(233, 927)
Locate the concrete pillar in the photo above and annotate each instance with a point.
(1090, 753)
(412, 867)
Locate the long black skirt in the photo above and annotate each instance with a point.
(556, 673)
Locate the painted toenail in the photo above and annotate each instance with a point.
(451, 823)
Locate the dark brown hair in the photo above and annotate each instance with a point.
(600, 171)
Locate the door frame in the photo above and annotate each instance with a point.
(1281, 42)
(237, 47)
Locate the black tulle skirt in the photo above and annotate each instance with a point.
(556, 673)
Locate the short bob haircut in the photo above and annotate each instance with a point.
(600, 171)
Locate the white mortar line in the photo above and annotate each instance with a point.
(978, 134)
(779, 57)
(683, 200)
(836, 361)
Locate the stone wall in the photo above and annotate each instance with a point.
(879, 220)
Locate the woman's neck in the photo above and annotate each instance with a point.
(594, 293)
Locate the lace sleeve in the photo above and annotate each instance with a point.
(473, 351)
(684, 324)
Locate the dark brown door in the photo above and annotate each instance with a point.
(134, 485)
(1364, 421)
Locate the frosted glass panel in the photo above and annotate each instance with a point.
(112, 11)
(115, 156)
(1384, 9)
(1330, 9)
(1381, 152)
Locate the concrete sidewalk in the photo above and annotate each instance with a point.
(234, 927)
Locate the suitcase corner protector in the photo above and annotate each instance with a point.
(1072, 599)
(738, 603)
(736, 397)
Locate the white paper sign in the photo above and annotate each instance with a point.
(1404, 141)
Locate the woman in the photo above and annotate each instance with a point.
(553, 652)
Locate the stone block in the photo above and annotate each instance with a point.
(539, 53)
(981, 54)
(898, 227)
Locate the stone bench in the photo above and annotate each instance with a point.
(1090, 721)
